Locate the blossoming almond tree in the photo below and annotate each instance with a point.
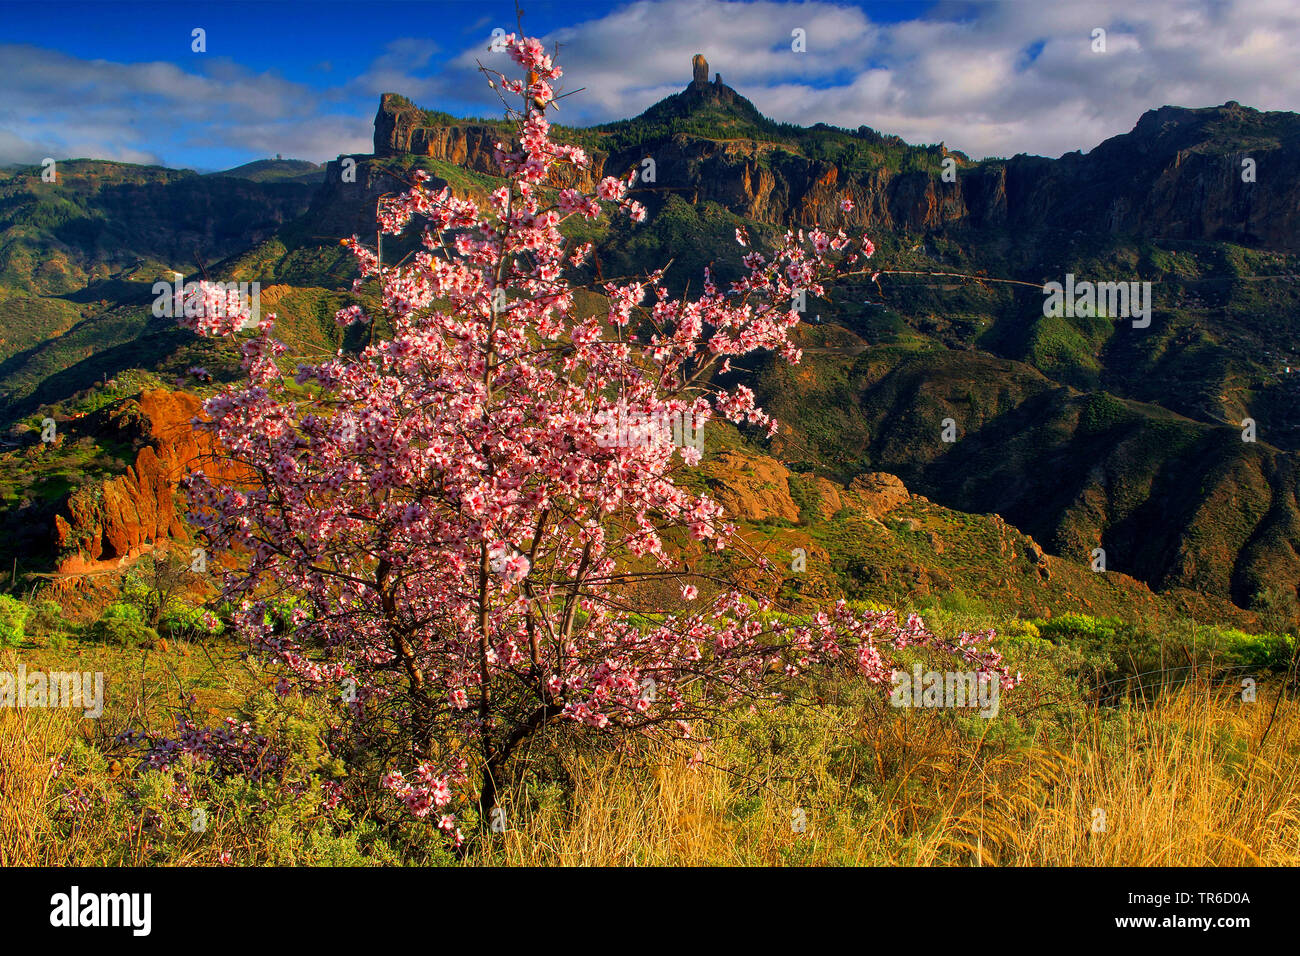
(463, 538)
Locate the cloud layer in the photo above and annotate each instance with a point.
(53, 104)
(990, 79)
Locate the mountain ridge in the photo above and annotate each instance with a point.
(1121, 413)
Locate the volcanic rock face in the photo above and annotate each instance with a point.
(755, 487)
(879, 492)
(118, 520)
(752, 487)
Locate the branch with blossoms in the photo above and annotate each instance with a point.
(464, 538)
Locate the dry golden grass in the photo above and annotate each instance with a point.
(29, 836)
(35, 829)
(1186, 783)
(1183, 782)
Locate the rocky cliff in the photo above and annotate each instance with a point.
(1179, 174)
(402, 128)
(1170, 178)
(107, 524)
(1214, 173)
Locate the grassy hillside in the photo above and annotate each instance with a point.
(1187, 769)
(277, 171)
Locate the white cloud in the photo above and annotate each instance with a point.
(960, 75)
(398, 69)
(53, 104)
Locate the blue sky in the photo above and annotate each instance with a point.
(121, 81)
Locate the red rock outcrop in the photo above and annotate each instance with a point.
(106, 525)
(752, 487)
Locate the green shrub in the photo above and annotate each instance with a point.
(1079, 626)
(13, 619)
(1017, 630)
(280, 613)
(1257, 650)
(121, 611)
(864, 606)
(123, 626)
(185, 621)
(47, 627)
(48, 617)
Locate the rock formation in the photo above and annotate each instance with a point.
(108, 524)
(700, 69)
(402, 128)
